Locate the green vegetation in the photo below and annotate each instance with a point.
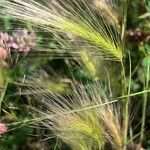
(74, 74)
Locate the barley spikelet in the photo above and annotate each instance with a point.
(85, 120)
(74, 17)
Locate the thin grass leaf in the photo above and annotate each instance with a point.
(2, 94)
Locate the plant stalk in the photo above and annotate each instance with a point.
(145, 97)
(126, 104)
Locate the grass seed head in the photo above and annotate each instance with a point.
(82, 119)
(74, 17)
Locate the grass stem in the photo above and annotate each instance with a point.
(145, 97)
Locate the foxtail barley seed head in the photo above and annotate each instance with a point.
(74, 17)
(83, 119)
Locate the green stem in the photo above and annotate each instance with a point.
(126, 110)
(133, 94)
(2, 94)
(145, 97)
(56, 145)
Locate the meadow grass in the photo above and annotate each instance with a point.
(85, 120)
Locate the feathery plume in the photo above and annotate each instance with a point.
(84, 120)
(109, 10)
(74, 17)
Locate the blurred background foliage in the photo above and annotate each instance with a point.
(48, 66)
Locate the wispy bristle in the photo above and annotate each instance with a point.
(109, 10)
(85, 119)
(74, 17)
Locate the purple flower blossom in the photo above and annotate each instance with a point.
(5, 40)
(3, 128)
(4, 45)
(24, 41)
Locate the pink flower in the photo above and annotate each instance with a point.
(5, 40)
(3, 128)
(23, 40)
(3, 53)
